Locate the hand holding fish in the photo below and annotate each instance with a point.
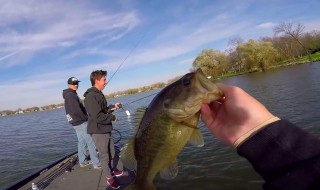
(236, 116)
(278, 150)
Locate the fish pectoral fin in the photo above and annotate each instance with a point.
(127, 156)
(170, 171)
(196, 138)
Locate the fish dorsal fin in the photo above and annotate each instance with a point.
(196, 138)
(170, 171)
(138, 117)
(127, 155)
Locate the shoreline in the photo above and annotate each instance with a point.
(4, 113)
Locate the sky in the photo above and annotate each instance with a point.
(43, 43)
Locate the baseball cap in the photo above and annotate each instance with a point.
(73, 80)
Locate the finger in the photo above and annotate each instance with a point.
(215, 106)
(207, 115)
(226, 89)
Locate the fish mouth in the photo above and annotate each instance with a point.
(205, 91)
(192, 107)
(183, 114)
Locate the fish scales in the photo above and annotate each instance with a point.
(164, 128)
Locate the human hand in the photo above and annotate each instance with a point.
(114, 119)
(118, 105)
(235, 116)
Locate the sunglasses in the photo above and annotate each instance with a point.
(75, 83)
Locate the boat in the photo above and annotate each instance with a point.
(66, 174)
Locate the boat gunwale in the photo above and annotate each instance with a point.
(20, 183)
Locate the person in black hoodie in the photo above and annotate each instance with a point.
(283, 154)
(100, 120)
(77, 117)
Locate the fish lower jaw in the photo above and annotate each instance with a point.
(180, 117)
(211, 96)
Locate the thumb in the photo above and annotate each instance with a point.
(207, 115)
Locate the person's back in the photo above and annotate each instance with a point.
(75, 111)
(77, 116)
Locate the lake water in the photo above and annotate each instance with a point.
(29, 142)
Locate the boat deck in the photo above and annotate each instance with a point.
(68, 175)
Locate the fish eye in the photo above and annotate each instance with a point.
(186, 82)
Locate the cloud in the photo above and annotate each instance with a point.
(47, 25)
(89, 38)
(15, 58)
(93, 51)
(267, 25)
(312, 25)
(7, 56)
(187, 61)
(166, 46)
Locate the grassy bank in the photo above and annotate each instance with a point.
(302, 60)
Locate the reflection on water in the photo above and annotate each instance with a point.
(31, 141)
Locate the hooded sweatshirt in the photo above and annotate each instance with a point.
(75, 111)
(99, 115)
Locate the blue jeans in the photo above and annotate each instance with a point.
(84, 141)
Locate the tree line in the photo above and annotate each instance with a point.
(136, 90)
(288, 44)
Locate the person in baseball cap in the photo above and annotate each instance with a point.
(76, 115)
(73, 81)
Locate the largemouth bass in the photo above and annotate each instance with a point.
(164, 128)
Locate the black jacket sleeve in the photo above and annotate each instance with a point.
(285, 156)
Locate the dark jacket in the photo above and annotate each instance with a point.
(285, 156)
(75, 111)
(99, 115)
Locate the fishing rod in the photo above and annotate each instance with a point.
(125, 58)
(127, 111)
(120, 106)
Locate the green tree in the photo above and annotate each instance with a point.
(312, 41)
(212, 62)
(258, 54)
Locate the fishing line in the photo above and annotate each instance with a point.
(142, 98)
(120, 136)
(128, 104)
